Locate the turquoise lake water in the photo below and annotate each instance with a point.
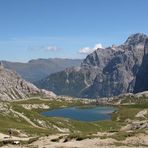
(96, 113)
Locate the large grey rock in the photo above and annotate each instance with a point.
(103, 73)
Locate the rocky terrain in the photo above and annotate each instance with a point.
(12, 86)
(104, 73)
(38, 69)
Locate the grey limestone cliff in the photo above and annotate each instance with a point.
(142, 76)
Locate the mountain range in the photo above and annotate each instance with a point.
(37, 69)
(106, 72)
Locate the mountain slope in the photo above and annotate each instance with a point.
(38, 69)
(103, 73)
(13, 87)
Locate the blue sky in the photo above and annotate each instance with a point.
(32, 29)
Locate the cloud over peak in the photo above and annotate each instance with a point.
(88, 50)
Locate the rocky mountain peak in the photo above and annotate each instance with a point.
(135, 39)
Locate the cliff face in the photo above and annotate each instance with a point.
(105, 72)
(142, 76)
(117, 75)
(13, 87)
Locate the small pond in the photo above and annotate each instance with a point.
(96, 113)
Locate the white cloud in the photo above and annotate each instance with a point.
(87, 50)
(52, 48)
(98, 46)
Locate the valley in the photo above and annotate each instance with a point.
(76, 118)
(30, 128)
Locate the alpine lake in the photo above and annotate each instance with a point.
(87, 113)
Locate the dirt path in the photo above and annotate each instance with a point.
(26, 119)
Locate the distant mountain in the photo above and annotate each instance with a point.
(12, 86)
(38, 69)
(103, 73)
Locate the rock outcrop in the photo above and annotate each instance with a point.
(12, 86)
(104, 73)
